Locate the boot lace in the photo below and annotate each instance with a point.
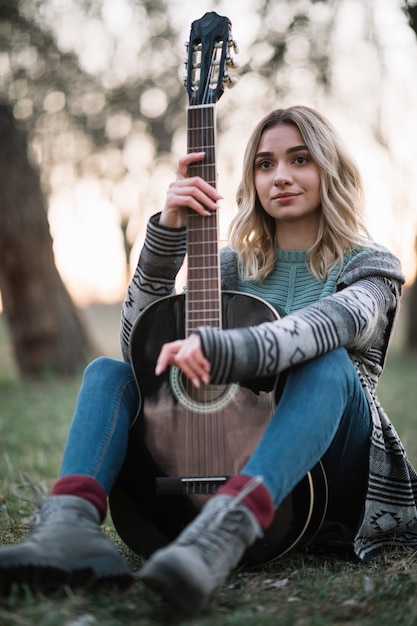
(215, 534)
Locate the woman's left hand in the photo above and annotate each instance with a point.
(186, 354)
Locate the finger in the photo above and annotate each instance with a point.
(194, 193)
(195, 200)
(185, 161)
(202, 185)
(166, 356)
(197, 377)
(194, 366)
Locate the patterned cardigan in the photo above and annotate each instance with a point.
(358, 316)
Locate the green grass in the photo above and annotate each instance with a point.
(301, 589)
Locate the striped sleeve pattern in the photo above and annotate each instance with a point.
(349, 318)
(160, 260)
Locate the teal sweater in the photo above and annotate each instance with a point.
(291, 285)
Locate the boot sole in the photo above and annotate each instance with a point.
(89, 579)
(100, 571)
(173, 587)
(46, 579)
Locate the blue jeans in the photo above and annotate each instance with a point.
(323, 414)
(106, 406)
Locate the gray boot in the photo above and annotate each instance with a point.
(187, 571)
(64, 546)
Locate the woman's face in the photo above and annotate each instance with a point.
(287, 180)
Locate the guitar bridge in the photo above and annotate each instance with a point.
(172, 485)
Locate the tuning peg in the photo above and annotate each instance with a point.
(230, 81)
(231, 63)
(232, 44)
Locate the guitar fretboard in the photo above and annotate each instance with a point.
(203, 302)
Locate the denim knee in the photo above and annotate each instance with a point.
(105, 370)
(331, 368)
(104, 365)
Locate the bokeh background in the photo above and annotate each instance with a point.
(92, 120)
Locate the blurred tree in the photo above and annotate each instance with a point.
(46, 330)
(70, 117)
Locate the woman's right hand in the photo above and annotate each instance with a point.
(193, 193)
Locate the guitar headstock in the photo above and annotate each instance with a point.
(209, 59)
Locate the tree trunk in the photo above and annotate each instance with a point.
(47, 332)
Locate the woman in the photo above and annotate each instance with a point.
(298, 241)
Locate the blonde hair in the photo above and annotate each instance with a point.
(342, 224)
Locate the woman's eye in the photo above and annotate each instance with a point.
(263, 165)
(300, 159)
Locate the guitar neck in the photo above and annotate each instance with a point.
(203, 302)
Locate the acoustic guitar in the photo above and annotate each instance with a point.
(186, 442)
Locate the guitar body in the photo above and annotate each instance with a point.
(203, 438)
(215, 429)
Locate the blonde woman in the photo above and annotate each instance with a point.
(299, 242)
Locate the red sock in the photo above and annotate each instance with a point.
(82, 487)
(259, 500)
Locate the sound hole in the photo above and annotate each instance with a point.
(205, 399)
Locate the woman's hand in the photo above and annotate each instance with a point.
(194, 193)
(188, 356)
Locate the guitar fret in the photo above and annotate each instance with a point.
(203, 284)
(210, 270)
(197, 235)
(215, 323)
(210, 223)
(210, 274)
(209, 297)
(204, 313)
(210, 289)
(197, 266)
(203, 249)
(203, 319)
(203, 148)
(202, 308)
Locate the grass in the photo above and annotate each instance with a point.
(300, 589)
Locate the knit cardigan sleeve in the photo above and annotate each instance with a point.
(359, 317)
(159, 262)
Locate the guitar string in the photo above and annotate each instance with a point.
(202, 445)
(210, 420)
(208, 441)
(204, 141)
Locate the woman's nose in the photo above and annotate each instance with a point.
(282, 175)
